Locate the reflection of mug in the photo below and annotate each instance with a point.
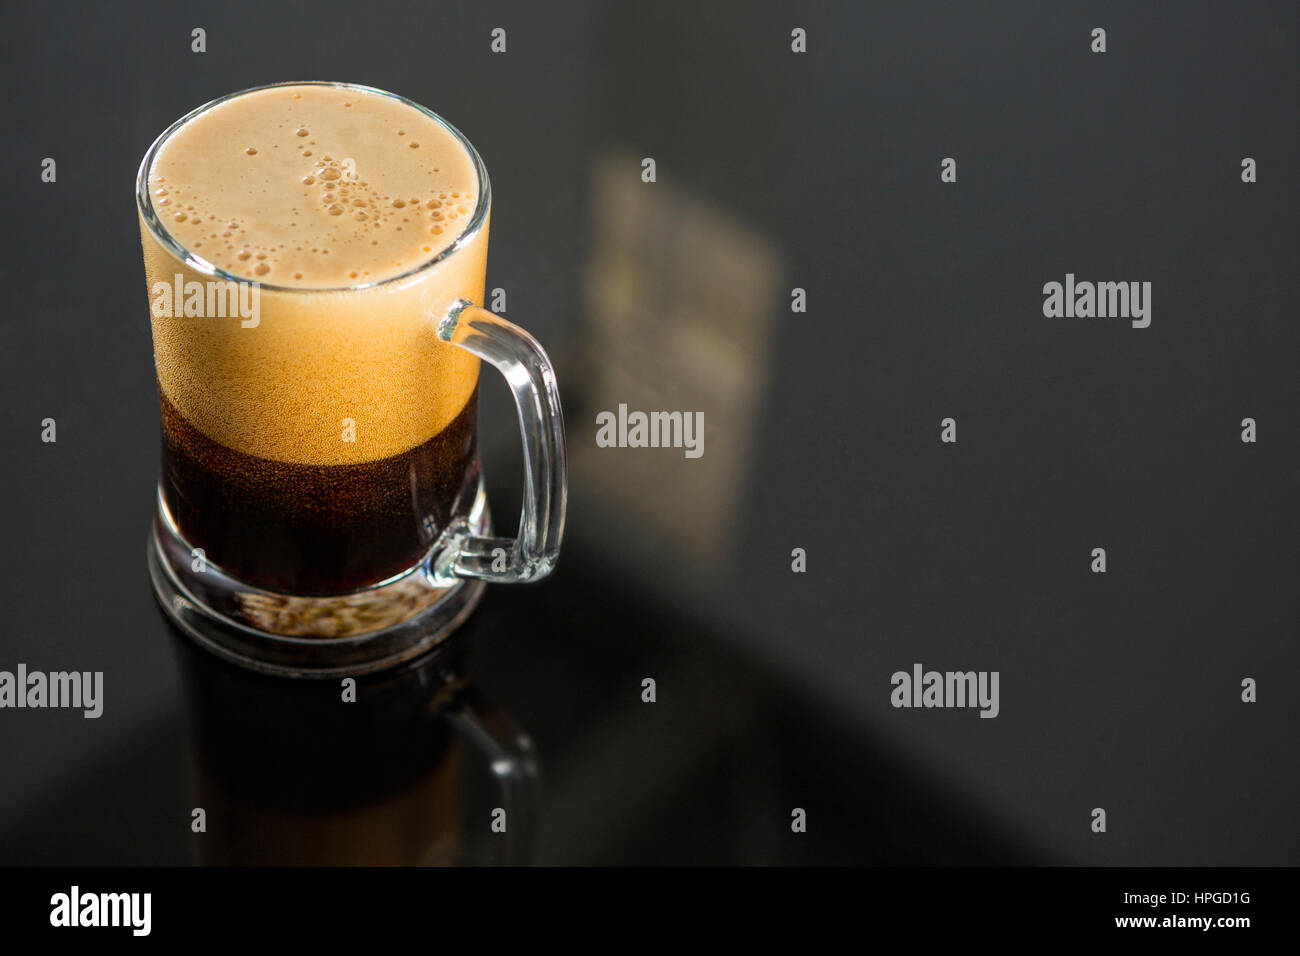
(288, 774)
(313, 253)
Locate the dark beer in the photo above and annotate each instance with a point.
(316, 529)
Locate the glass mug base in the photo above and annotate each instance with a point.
(356, 633)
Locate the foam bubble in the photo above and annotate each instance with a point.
(272, 206)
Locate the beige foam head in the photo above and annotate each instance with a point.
(314, 189)
(314, 186)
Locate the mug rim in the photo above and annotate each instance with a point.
(144, 201)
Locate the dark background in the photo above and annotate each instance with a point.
(775, 170)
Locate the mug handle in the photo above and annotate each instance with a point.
(513, 762)
(532, 554)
